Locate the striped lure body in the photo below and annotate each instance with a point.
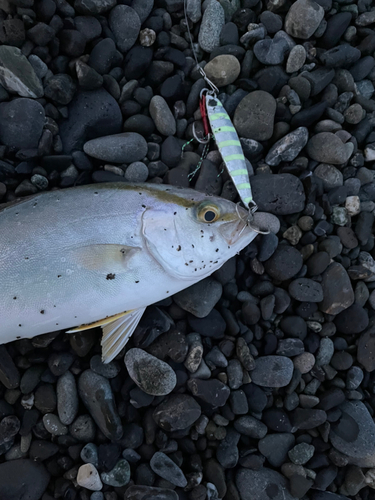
(230, 147)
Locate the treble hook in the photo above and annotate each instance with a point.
(205, 140)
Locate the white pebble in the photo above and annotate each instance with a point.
(88, 477)
(353, 205)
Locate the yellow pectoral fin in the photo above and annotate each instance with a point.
(104, 258)
(101, 322)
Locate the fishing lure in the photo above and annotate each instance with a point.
(218, 125)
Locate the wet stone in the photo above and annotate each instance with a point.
(326, 147)
(289, 147)
(153, 376)
(199, 299)
(164, 467)
(212, 23)
(17, 74)
(306, 290)
(280, 194)
(285, 263)
(127, 147)
(211, 391)
(263, 484)
(125, 25)
(21, 123)
(337, 290)
(301, 453)
(272, 371)
(223, 70)
(275, 447)
(119, 476)
(96, 393)
(35, 479)
(254, 116)
(178, 412)
(353, 320)
(250, 426)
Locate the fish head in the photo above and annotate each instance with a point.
(192, 235)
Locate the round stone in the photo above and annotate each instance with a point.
(326, 147)
(125, 25)
(254, 116)
(120, 148)
(303, 19)
(151, 374)
(162, 116)
(88, 477)
(223, 70)
(285, 263)
(304, 362)
(272, 371)
(306, 290)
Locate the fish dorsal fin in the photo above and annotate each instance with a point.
(117, 333)
(104, 258)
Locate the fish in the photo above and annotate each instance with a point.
(98, 255)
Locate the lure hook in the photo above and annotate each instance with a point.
(205, 140)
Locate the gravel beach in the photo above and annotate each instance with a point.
(257, 383)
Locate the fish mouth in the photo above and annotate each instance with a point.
(232, 231)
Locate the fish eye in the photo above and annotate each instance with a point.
(209, 213)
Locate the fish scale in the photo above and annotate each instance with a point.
(230, 147)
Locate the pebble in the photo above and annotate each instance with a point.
(296, 59)
(179, 412)
(35, 479)
(17, 74)
(285, 263)
(306, 290)
(125, 25)
(53, 425)
(301, 453)
(272, 371)
(280, 194)
(200, 299)
(250, 426)
(275, 447)
(212, 23)
(119, 476)
(21, 123)
(67, 398)
(91, 114)
(213, 392)
(88, 477)
(304, 362)
(96, 394)
(326, 147)
(223, 70)
(164, 467)
(162, 116)
(271, 51)
(120, 148)
(288, 148)
(93, 6)
(263, 484)
(153, 376)
(337, 290)
(254, 116)
(303, 19)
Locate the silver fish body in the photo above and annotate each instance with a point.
(230, 147)
(88, 254)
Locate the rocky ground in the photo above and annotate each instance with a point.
(268, 366)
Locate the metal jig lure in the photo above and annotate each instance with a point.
(218, 125)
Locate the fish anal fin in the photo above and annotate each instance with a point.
(101, 322)
(104, 258)
(117, 333)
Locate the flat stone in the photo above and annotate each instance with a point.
(306, 290)
(91, 114)
(285, 263)
(271, 51)
(280, 194)
(125, 25)
(88, 477)
(353, 320)
(296, 59)
(164, 467)
(353, 434)
(162, 116)
(303, 19)
(326, 147)
(254, 116)
(212, 23)
(210, 391)
(337, 290)
(96, 394)
(272, 371)
(263, 484)
(34, 481)
(119, 476)
(199, 299)
(17, 74)
(301, 453)
(366, 350)
(127, 147)
(330, 176)
(223, 70)
(178, 412)
(275, 447)
(21, 123)
(288, 147)
(91, 7)
(250, 426)
(152, 375)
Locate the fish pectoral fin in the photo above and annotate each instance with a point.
(105, 258)
(101, 322)
(117, 333)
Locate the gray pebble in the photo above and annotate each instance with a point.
(301, 453)
(120, 148)
(199, 299)
(272, 371)
(288, 147)
(136, 172)
(162, 116)
(125, 25)
(212, 23)
(119, 476)
(250, 426)
(326, 147)
(164, 467)
(254, 116)
(53, 425)
(89, 454)
(67, 398)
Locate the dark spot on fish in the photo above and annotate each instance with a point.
(18, 337)
(42, 311)
(167, 291)
(137, 282)
(111, 276)
(123, 250)
(19, 325)
(59, 275)
(202, 231)
(14, 298)
(143, 206)
(96, 192)
(174, 213)
(216, 261)
(192, 245)
(186, 264)
(190, 261)
(26, 258)
(217, 250)
(54, 306)
(195, 269)
(212, 238)
(57, 324)
(178, 248)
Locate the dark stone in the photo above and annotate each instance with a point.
(22, 480)
(362, 68)
(337, 290)
(338, 57)
(137, 61)
(60, 89)
(353, 320)
(91, 114)
(9, 374)
(306, 290)
(285, 263)
(21, 123)
(306, 418)
(310, 115)
(263, 484)
(72, 43)
(272, 371)
(213, 325)
(336, 27)
(178, 412)
(213, 392)
(280, 194)
(366, 350)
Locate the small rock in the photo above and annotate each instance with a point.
(119, 476)
(211, 391)
(275, 447)
(53, 425)
(34, 481)
(164, 467)
(301, 453)
(326, 147)
(306, 290)
(285, 263)
(296, 59)
(211, 26)
(88, 477)
(178, 412)
(21, 123)
(330, 176)
(125, 25)
(303, 19)
(271, 51)
(272, 371)
(136, 172)
(223, 70)
(280, 194)
(254, 116)
(162, 116)
(337, 290)
(152, 375)
(120, 148)
(289, 147)
(263, 484)
(199, 299)
(250, 426)
(353, 320)
(17, 74)
(91, 7)
(96, 394)
(147, 37)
